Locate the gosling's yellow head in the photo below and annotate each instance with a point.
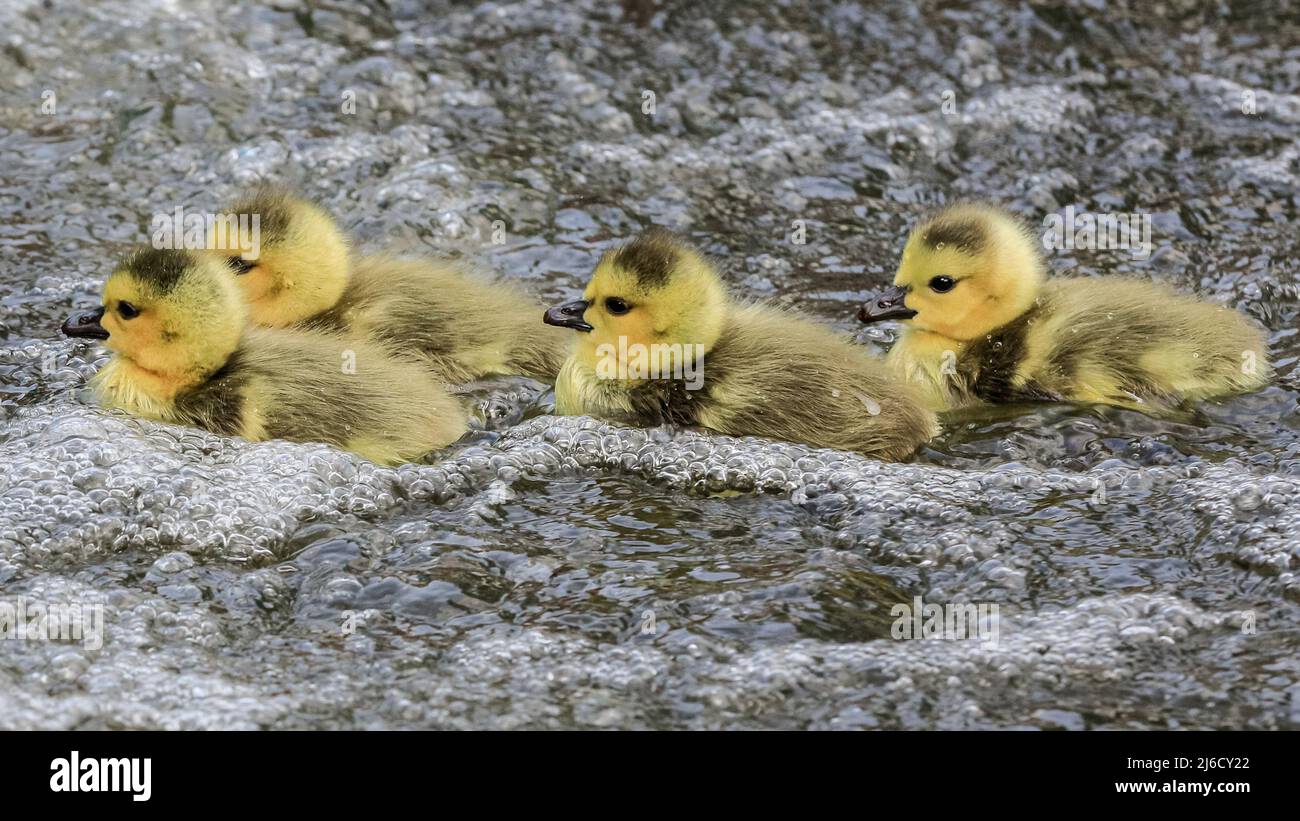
(174, 313)
(655, 289)
(298, 266)
(966, 271)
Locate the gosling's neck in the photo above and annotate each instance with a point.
(125, 383)
(301, 276)
(291, 300)
(1019, 268)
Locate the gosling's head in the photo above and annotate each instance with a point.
(177, 314)
(966, 271)
(298, 266)
(655, 289)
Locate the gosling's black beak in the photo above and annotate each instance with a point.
(569, 315)
(85, 325)
(888, 305)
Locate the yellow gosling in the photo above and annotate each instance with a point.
(460, 326)
(663, 342)
(182, 353)
(982, 322)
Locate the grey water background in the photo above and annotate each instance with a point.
(565, 573)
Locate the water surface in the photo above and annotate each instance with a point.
(564, 573)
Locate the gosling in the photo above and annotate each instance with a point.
(663, 342)
(175, 322)
(462, 328)
(982, 323)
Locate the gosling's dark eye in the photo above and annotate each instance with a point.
(240, 265)
(127, 311)
(616, 306)
(942, 284)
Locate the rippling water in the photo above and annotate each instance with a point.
(564, 573)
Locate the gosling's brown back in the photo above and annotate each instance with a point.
(316, 387)
(1121, 342)
(1133, 339)
(786, 377)
(461, 327)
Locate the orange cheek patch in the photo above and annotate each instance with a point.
(137, 338)
(255, 284)
(116, 335)
(929, 314)
(634, 328)
(955, 315)
(918, 302)
(638, 327)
